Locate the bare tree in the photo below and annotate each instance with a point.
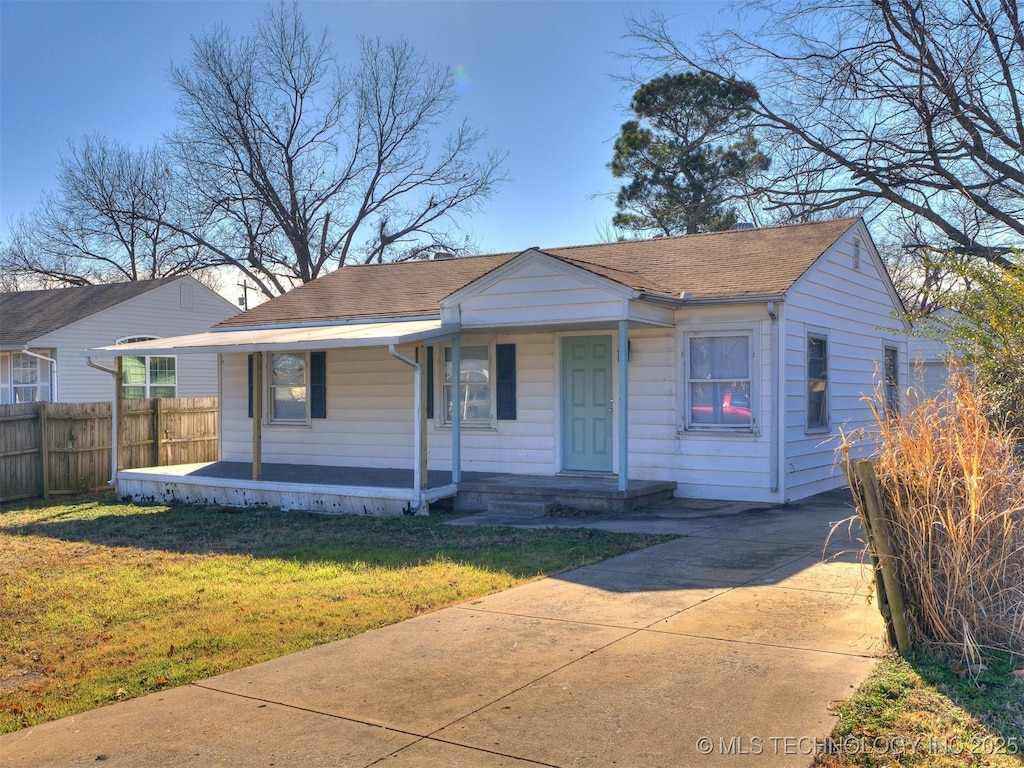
(294, 167)
(104, 222)
(910, 109)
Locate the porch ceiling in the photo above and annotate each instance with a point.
(275, 339)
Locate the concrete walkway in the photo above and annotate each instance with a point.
(723, 647)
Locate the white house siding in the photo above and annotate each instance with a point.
(185, 306)
(369, 416)
(541, 291)
(369, 413)
(855, 309)
(725, 465)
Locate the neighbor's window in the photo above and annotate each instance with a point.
(30, 379)
(474, 400)
(289, 378)
(892, 382)
(817, 382)
(145, 376)
(718, 381)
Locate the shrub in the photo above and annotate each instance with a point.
(954, 496)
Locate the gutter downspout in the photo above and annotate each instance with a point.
(53, 370)
(417, 409)
(113, 419)
(777, 410)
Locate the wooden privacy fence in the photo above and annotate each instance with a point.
(64, 448)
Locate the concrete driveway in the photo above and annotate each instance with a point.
(723, 647)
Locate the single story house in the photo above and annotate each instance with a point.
(718, 365)
(45, 337)
(929, 355)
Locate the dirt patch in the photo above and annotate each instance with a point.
(19, 680)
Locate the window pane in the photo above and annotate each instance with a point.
(817, 404)
(475, 385)
(719, 357)
(288, 369)
(290, 403)
(161, 391)
(133, 392)
(25, 371)
(720, 403)
(816, 363)
(133, 370)
(161, 372)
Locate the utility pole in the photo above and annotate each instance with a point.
(243, 300)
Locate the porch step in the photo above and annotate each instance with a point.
(520, 507)
(539, 495)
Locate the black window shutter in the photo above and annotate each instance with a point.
(250, 386)
(430, 382)
(505, 355)
(318, 385)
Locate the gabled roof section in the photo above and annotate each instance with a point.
(764, 261)
(737, 264)
(27, 315)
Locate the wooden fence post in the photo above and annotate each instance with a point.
(44, 450)
(158, 427)
(878, 534)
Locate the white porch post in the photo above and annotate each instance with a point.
(456, 409)
(257, 415)
(623, 405)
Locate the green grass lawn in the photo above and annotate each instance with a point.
(931, 714)
(102, 601)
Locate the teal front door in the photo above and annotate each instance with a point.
(587, 403)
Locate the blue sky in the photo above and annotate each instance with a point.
(538, 76)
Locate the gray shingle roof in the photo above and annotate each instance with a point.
(27, 315)
(720, 265)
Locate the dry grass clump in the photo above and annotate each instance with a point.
(954, 495)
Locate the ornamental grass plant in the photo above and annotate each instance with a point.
(953, 489)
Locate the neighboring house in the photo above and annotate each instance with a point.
(45, 335)
(724, 363)
(929, 356)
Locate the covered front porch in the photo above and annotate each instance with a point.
(380, 492)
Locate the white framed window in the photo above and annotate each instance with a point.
(26, 378)
(817, 382)
(892, 381)
(718, 381)
(476, 385)
(288, 395)
(145, 376)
